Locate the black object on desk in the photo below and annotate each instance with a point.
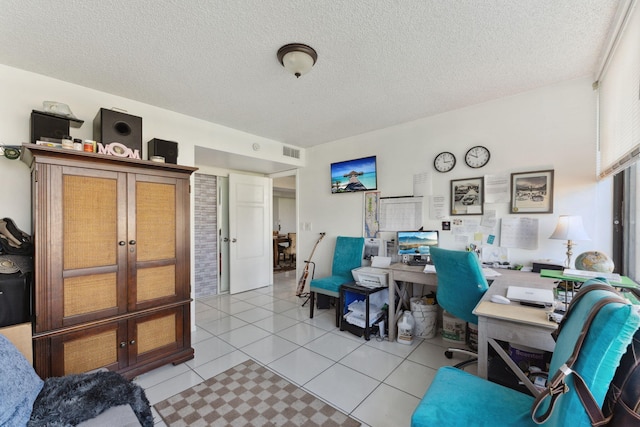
(354, 288)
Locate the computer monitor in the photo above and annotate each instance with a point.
(416, 243)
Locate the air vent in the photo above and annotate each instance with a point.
(291, 152)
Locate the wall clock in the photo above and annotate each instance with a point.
(477, 156)
(444, 161)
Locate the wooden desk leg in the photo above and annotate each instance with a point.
(391, 313)
(483, 348)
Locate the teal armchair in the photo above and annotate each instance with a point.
(347, 255)
(457, 398)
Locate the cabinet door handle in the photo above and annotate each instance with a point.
(132, 342)
(122, 243)
(123, 344)
(132, 242)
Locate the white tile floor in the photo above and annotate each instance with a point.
(378, 383)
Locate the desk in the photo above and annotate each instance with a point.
(408, 274)
(512, 322)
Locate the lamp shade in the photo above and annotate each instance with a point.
(569, 228)
(297, 58)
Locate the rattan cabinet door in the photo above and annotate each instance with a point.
(158, 252)
(102, 346)
(84, 244)
(154, 336)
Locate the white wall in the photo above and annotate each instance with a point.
(23, 92)
(552, 127)
(549, 128)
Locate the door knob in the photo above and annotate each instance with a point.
(132, 342)
(123, 344)
(122, 243)
(132, 242)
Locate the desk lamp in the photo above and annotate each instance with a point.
(569, 228)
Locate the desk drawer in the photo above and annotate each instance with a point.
(518, 333)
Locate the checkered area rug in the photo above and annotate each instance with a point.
(249, 395)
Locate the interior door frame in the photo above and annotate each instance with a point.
(294, 173)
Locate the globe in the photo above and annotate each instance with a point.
(594, 261)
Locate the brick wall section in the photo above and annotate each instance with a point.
(206, 242)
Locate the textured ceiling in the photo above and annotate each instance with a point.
(380, 62)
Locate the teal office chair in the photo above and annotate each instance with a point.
(461, 285)
(347, 255)
(458, 398)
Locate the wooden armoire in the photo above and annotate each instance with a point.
(112, 263)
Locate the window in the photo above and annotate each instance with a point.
(618, 95)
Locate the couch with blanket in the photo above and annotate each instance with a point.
(100, 398)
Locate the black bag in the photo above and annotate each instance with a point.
(14, 241)
(622, 403)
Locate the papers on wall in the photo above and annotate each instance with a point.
(400, 213)
(491, 254)
(519, 233)
(437, 207)
(373, 248)
(422, 184)
(496, 188)
(371, 213)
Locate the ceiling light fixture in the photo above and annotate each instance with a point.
(297, 58)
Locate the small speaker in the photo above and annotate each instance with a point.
(114, 126)
(166, 149)
(48, 126)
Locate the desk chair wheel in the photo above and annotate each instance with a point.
(448, 354)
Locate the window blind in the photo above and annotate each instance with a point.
(619, 97)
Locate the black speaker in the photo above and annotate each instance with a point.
(48, 126)
(15, 298)
(166, 149)
(114, 126)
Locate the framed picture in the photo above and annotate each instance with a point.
(354, 175)
(532, 192)
(467, 196)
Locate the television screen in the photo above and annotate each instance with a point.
(416, 243)
(354, 175)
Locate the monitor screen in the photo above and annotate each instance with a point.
(416, 243)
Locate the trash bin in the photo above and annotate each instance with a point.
(425, 316)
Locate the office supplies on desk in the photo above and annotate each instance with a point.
(624, 281)
(499, 299)
(419, 261)
(530, 295)
(380, 261)
(591, 274)
(488, 272)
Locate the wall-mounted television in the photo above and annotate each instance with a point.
(354, 175)
(416, 243)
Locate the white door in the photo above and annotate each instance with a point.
(250, 257)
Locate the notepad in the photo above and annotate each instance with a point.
(532, 295)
